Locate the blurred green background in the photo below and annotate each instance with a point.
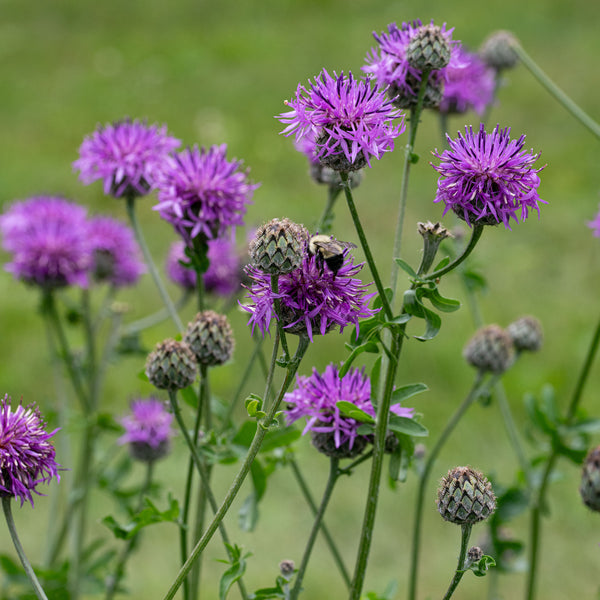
(218, 72)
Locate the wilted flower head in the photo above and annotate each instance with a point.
(116, 254)
(26, 455)
(223, 276)
(125, 155)
(47, 237)
(200, 192)
(487, 178)
(147, 429)
(390, 66)
(469, 85)
(312, 300)
(350, 120)
(315, 398)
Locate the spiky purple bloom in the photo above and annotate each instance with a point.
(389, 65)
(148, 429)
(594, 224)
(313, 300)
(223, 276)
(47, 237)
(200, 192)
(117, 257)
(26, 455)
(487, 178)
(125, 155)
(315, 398)
(468, 86)
(350, 120)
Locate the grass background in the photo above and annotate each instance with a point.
(218, 72)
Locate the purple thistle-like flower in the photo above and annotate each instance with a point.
(26, 455)
(125, 155)
(148, 429)
(487, 178)
(200, 192)
(223, 276)
(594, 224)
(313, 300)
(350, 120)
(116, 253)
(468, 85)
(47, 237)
(389, 65)
(315, 398)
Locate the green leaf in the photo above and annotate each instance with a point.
(406, 268)
(352, 411)
(378, 303)
(406, 391)
(245, 434)
(444, 304)
(375, 371)
(279, 438)
(189, 397)
(253, 404)
(399, 320)
(233, 573)
(442, 263)
(248, 513)
(585, 426)
(481, 567)
(474, 281)
(413, 158)
(407, 426)
(434, 323)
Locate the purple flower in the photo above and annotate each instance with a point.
(116, 253)
(315, 399)
(223, 276)
(202, 193)
(468, 85)
(148, 429)
(313, 300)
(389, 64)
(26, 455)
(487, 178)
(594, 224)
(125, 155)
(351, 121)
(47, 237)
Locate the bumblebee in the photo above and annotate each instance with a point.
(328, 251)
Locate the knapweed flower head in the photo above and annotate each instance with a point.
(389, 64)
(594, 225)
(26, 454)
(313, 300)
(126, 155)
(315, 398)
(487, 178)
(116, 254)
(200, 192)
(351, 121)
(498, 50)
(148, 430)
(470, 85)
(47, 237)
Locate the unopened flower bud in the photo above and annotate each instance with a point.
(278, 246)
(429, 49)
(474, 554)
(286, 567)
(590, 480)
(171, 366)
(490, 349)
(433, 234)
(465, 496)
(210, 337)
(497, 50)
(526, 334)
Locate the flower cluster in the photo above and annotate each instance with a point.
(126, 155)
(53, 244)
(350, 120)
(487, 178)
(315, 398)
(200, 192)
(26, 455)
(313, 300)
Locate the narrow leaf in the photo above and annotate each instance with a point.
(406, 391)
(407, 426)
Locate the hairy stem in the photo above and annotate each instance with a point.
(460, 567)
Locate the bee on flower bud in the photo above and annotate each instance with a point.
(328, 251)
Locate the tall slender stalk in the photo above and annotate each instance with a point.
(324, 223)
(460, 567)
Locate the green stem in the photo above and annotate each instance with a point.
(119, 571)
(460, 567)
(277, 305)
(157, 317)
(333, 475)
(477, 231)
(476, 389)
(324, 223)
(130, 203)
(6, 506)
(555, 91)
(540, 499)
(365, 246)
(236, 484)
(337, 557)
